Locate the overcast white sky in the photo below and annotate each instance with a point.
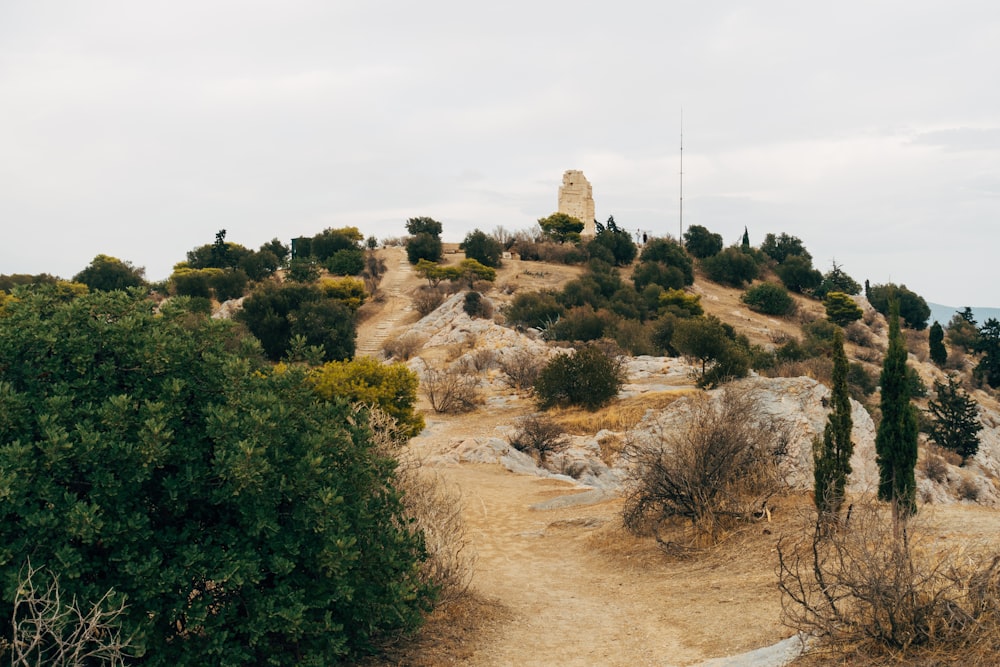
(139, 128)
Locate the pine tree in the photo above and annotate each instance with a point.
(935, 338)
(832, 455)
(896, 440)
(955, 416)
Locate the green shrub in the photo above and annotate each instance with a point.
(798, 275)
(614, 242)
(841, 309)
(105, 274)
(277, 313)
(731, 267)
(230, 284)
(769, 299)
(533, 309)
(912, 307)
(583, 323)
(391, 387)
(860, 381)
(483, 248)
(714, 345)
(242, 519)
(475, 305)
(346, 262)
(657, 273)
(561, 228)
(702, 243)
(589, 378)
(671, 254)
(680, 303)
(423, 246)
(302, 270)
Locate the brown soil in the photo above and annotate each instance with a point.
(569, 586)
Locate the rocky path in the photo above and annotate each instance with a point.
(373, 333)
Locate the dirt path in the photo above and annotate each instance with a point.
(578, 590)
(394, 310)
(569, 586)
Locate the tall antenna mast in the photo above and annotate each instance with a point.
(680, 234)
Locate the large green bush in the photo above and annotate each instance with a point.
(769, 299)
(912, 307)
(275, 314)
(702, 243)
(589, 378)
(483, 248)
(106, 273)
(242, 519)
(732, 267)
(533, 309)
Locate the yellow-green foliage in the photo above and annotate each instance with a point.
(185, 281)
(680, 302)
(391, 387)
(350, 291)
(434, 273)
(476, 271)
(70, 289)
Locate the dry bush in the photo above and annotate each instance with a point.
(521, 368)
(537, 435)
(426, 299)
(859, 334)
(869, 355)
(916, 344)
(956, 360)
(436, 510)
(611, 446)
(817, 368)
(871, 590)
(403, 347)
(434, 507)
(874, 321)
(460, 347)
(48, 630)
(968, 488)
(479, 360)
(935, 467)
(449, 390)
(709, 477)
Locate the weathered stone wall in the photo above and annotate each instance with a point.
(576, 198)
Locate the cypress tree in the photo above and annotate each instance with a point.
(745, 243)
(832, 454)
(896, 440)
(935, 338)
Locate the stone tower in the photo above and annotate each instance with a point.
(576, 198)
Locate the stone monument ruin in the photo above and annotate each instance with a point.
(576, 198)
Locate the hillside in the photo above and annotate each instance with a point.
(557, 580)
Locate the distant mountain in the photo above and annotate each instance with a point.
(943, 314)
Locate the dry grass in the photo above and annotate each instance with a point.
(618, 416)
(450, 635)
(890, 595)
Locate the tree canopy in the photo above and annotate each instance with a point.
(106, 273)
(561, 228)
(702, 243)
(241, 518)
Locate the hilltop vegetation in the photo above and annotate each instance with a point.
(223, 427)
